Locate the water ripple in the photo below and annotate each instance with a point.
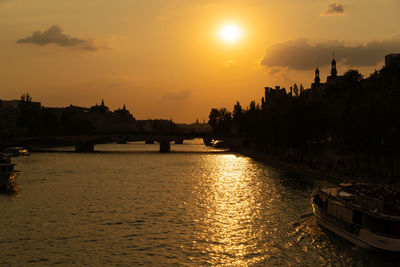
(132, 208)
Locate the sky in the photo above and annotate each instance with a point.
(166, 59)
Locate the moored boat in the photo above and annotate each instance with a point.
(16, 151)
(366, 215)
(7, 172)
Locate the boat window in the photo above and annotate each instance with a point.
(357, 217)
(385, 227)
(339, 210)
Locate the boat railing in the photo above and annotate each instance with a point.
(366, 201)
(374, 203)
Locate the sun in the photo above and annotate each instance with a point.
(230, 33)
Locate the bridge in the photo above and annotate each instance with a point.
(86, 143)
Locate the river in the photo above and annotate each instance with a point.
(127, 204)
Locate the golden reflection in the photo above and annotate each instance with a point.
(231, 211)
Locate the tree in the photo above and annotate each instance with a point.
(295, 90)
(26, 98)
(237, 111)
(29, 116)
(237, 116)
(220, 120)
(353, 76)
(301, 89)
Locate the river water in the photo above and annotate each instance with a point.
(130, 205)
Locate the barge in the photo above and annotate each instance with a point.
(366, 215)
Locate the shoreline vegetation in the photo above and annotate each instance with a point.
(345, 129)
(296, 167)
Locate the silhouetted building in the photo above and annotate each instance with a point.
(77, 108)
(100, 117)
(156, 125)
(275, 95)
(123, 113)
(333, 78)
(102, 108)
(10, 113)
(392, 59)
(317, 81)
(16, 104)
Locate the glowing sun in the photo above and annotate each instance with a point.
(230, 33)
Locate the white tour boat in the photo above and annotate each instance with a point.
(366, 215)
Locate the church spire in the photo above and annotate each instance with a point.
(333, 70)
(317, 79)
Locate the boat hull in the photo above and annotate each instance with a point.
(362, 237)
(8, 178)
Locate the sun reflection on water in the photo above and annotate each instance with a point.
(231, 209)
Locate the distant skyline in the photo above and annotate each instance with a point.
(178, 59)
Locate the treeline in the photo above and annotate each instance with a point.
(352, 123)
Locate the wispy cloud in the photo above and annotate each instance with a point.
(229, 63)
(300, 55)
(333, 9)
(275, 70)
(55, 35)
(182, 95)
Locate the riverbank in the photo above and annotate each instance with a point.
(299, 168)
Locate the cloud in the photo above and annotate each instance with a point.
(182, 95)
(229, 63)
(276, 70)
(300, 55)
(333, 9)
(55, 35)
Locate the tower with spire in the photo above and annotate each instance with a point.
(102, 108)
(317, 80)
(333, 69)
(333, 77)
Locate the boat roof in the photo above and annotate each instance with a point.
(333, 191)
(376, 199)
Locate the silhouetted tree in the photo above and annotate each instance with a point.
(237, 116)
(220, 120)
(295, 90)
(354, 116)
(29, 116)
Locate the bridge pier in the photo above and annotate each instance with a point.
(84, 147)
(165, 146)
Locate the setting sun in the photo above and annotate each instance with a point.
(230, 33)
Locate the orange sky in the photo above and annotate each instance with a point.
(164, 58)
